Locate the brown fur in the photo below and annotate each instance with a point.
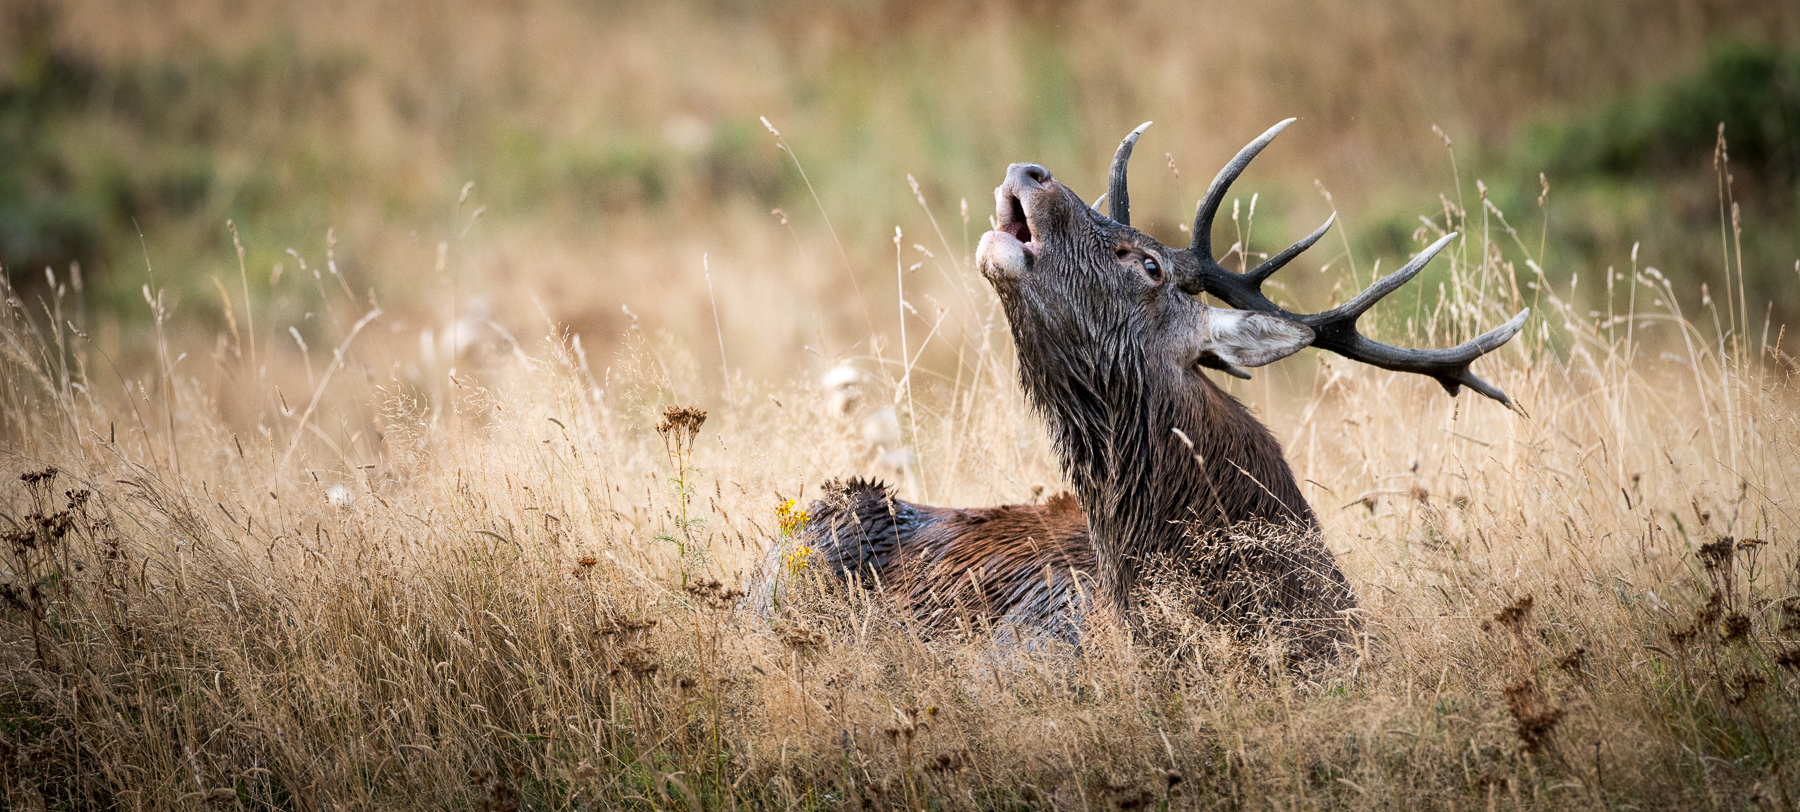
(1027, 568)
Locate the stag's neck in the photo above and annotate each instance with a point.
(1145, 488)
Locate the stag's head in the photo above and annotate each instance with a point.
(1088, 292)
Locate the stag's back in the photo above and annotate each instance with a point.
(1013, 566)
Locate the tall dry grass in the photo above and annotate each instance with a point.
(504, 578)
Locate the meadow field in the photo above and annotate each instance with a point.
(340, 339)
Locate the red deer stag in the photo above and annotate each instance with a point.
(1169, 470)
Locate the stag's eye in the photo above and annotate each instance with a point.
(1148, 264)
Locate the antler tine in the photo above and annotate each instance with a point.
(1385, 285)
(1215, 194)
(1335, 330)
(1274, 263)
(1115, 188)
(1449, 366)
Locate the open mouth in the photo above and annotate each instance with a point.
(1011, 216)
(1009, 251)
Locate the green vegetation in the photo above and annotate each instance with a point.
(1668, 164)
(1752, 92)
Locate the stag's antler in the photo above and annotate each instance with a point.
(1334, 329)
(1115, 183)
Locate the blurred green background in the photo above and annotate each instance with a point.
(618, 160)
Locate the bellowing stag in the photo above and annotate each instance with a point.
(1172, 474)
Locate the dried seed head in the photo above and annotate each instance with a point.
(798, 636)
(683, 422)
(1710, 612)
(14, 598)
(1514, 616)
(953, 761)
(618, 625)
(1536, 720)
(713, 594)
(1715, 554)
(640, 661)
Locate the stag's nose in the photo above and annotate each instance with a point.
(1029, 176)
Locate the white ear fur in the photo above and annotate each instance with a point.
(1252, 339)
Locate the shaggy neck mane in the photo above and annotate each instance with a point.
(1145, 490)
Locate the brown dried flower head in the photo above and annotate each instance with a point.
(1535, 718)
(681, 423)
(1514, 616)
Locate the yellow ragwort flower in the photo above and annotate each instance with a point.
(791, 520)
(798, 558)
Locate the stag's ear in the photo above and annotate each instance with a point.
(1251, 339)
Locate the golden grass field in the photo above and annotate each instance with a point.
(519, 593)
(394, 527)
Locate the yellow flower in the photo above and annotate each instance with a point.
(798, 558)
(791, 520)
